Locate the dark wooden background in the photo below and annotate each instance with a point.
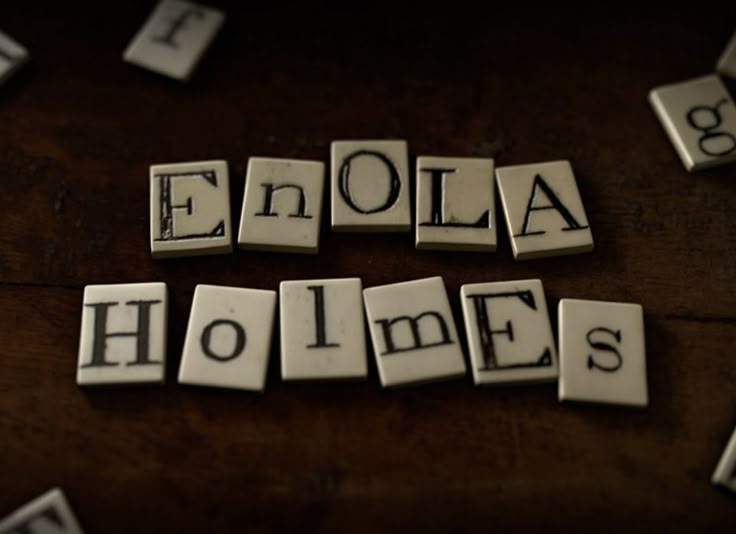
(79, 128)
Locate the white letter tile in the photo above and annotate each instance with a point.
(413, 332)
(509, 333)
(282, 205)
(370, 186)
(700, 119)
(174, 38)
(602, 353)
(12, 57)
(48, 514)
(228, 340)
(725, 473)
(190, 209)
(727, 61)
(123, 334)
(322, 330)
(543, 209)
(455, 204)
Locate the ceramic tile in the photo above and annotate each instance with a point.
(12, 57)
(602, 352)
(543, 209)
(174, 38)
(370, 186)
(322, 330)
(455, 204)
(509, 333)
(228, 340)
(725, 473)
(727, 61)
(123, 334)
(48, 514)
(700, 119)
(282, 205)
(413, 332)
(190, 209)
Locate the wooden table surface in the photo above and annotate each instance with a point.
(79, 128)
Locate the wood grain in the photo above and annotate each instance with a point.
(79, 128)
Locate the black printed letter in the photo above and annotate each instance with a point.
(176, 25)
(167, 208)
(268, 201)
(319, 318)
(239, 340)
(387, 326)
(438, 203)
(486, 334)
(556, 204)
(394, 184)
(728, 141)
(605, 346)
(141, 334)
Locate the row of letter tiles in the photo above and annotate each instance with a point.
(12, 57)
(725, 473)
(282, 203)
(48, 514)
(727, 61)
(699, 117)
(415, 340)
(174, 38)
